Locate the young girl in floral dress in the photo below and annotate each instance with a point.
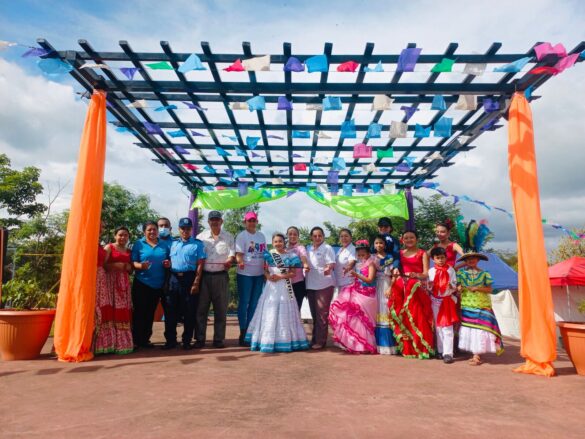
(385, 342)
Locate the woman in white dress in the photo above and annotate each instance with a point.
(276, 325)
(344, 261)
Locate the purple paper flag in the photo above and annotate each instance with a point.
(152, 128)
(294, 65)
(129, 72)
(407, 59)
(193, 106)
(272, 136)
(180, 150)
(35, 51)
(408, 111)
(290, 193)
(229, 173)
(284, 103)
(490, 105)
(242, 188)
(489, 125)
(197, 134)
(402, 167)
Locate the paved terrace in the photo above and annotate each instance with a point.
(238, 393)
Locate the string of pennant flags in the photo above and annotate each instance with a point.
(458, 198)
(407, 62)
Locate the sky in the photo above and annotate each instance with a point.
(41, 118)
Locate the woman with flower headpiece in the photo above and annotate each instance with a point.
(352, 315)
(443, 240)
(411, 315)
(276, 325)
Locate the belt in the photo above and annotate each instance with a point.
(214, 272)
(181, 273)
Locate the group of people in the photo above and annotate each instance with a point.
(389, 301)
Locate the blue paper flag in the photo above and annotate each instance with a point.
(409, 160)
(240, 173)
(311, 184)
(331, 103)
(442, 127)
(338, 164)
(229, 172)
(129, 72)
(439, 103)
(314, 168)
(354, 172)
(166, 107)
(347, 189)
(54, 66)
(378, 68)
(240, 152)
(232, 138)
(317, 63)
(177, 133)
(225, 181)
(252, 142)
(242, 188)
(513, 67)
(360, 188)
(420, 131)
(490, 105)
(284, 103)
(332, 177)
(209, 169)
(191, 63)
(125, 130)
(407, 59)
(528, 92)
(348, 129)
(208, 188)
(294, 65)
(334, 188)
(266, 194)
(408, 111)
(376, 187)
(301, 134)
(304, 189)
(258, 185)
(257, 103)
(222, 152)
(152, 128)
(374, 131)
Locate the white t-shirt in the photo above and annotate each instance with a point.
(252, 246)
(344, 257)
(318, 259)
(218, 250)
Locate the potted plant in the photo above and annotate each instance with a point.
(26, 319)
(573, 334)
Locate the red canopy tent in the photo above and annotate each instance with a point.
(569, 272)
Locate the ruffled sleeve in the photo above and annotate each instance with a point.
(268, 258)
(293, 260)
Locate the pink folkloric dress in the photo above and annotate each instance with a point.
(352, 315)
(104, 336)
(116, 310)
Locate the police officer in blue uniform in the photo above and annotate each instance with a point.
(187, 257)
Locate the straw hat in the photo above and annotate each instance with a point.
(473, 255)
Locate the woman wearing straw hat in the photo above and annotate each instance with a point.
(479, 333)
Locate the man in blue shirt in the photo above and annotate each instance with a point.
(187, 258)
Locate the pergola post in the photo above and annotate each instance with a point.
(194, 215)
(410, 224)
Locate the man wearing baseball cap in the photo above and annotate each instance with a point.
(250, 247)
(187, 258)
(220, 251)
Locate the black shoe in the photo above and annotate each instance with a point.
(168, 346)
(241, 341)
(438, 356)
(147, 345)
(199, 345)
(218, 345)
(447, 359)
(186, 346)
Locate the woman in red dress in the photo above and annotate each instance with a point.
(118, 267)
(411, 314)
(104, 335)
(443, 239)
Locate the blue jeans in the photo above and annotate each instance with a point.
(249, 290)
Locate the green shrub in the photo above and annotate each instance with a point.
(27, 294)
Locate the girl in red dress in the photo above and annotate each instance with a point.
(119, 311)
(443, 239)
(411, 315)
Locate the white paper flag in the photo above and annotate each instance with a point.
(257, 64)
(381, 102)
(466, 102)
(398, 130)
(141, 103)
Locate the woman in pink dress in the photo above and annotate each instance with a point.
(104, 334)
(118, 268)
(411, 314)
(352, 315)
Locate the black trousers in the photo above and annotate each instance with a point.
(144, 301)
(300, 291)
(179, 300)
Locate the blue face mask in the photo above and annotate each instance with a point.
(164, 232)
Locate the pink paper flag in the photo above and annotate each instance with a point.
(235, 67)
(348, 66)
(566, 62)
(547, 48)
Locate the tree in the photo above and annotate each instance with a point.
(121, 207)
(430, 211)
(233, 219)
(18, 192)
(569, 247)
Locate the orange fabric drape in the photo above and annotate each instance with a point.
(537, 324)
(74, 321)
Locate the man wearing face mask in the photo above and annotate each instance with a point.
(164, 230)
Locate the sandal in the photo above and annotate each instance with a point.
(475, 361)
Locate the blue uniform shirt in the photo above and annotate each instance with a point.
(186, 254)
(154, 277)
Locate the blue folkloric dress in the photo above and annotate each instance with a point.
(479, 331)
(386, 345)
(276, 325)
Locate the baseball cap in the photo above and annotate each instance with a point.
(214, 214)
(185, 222)
(250, 215)
(384, 221)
